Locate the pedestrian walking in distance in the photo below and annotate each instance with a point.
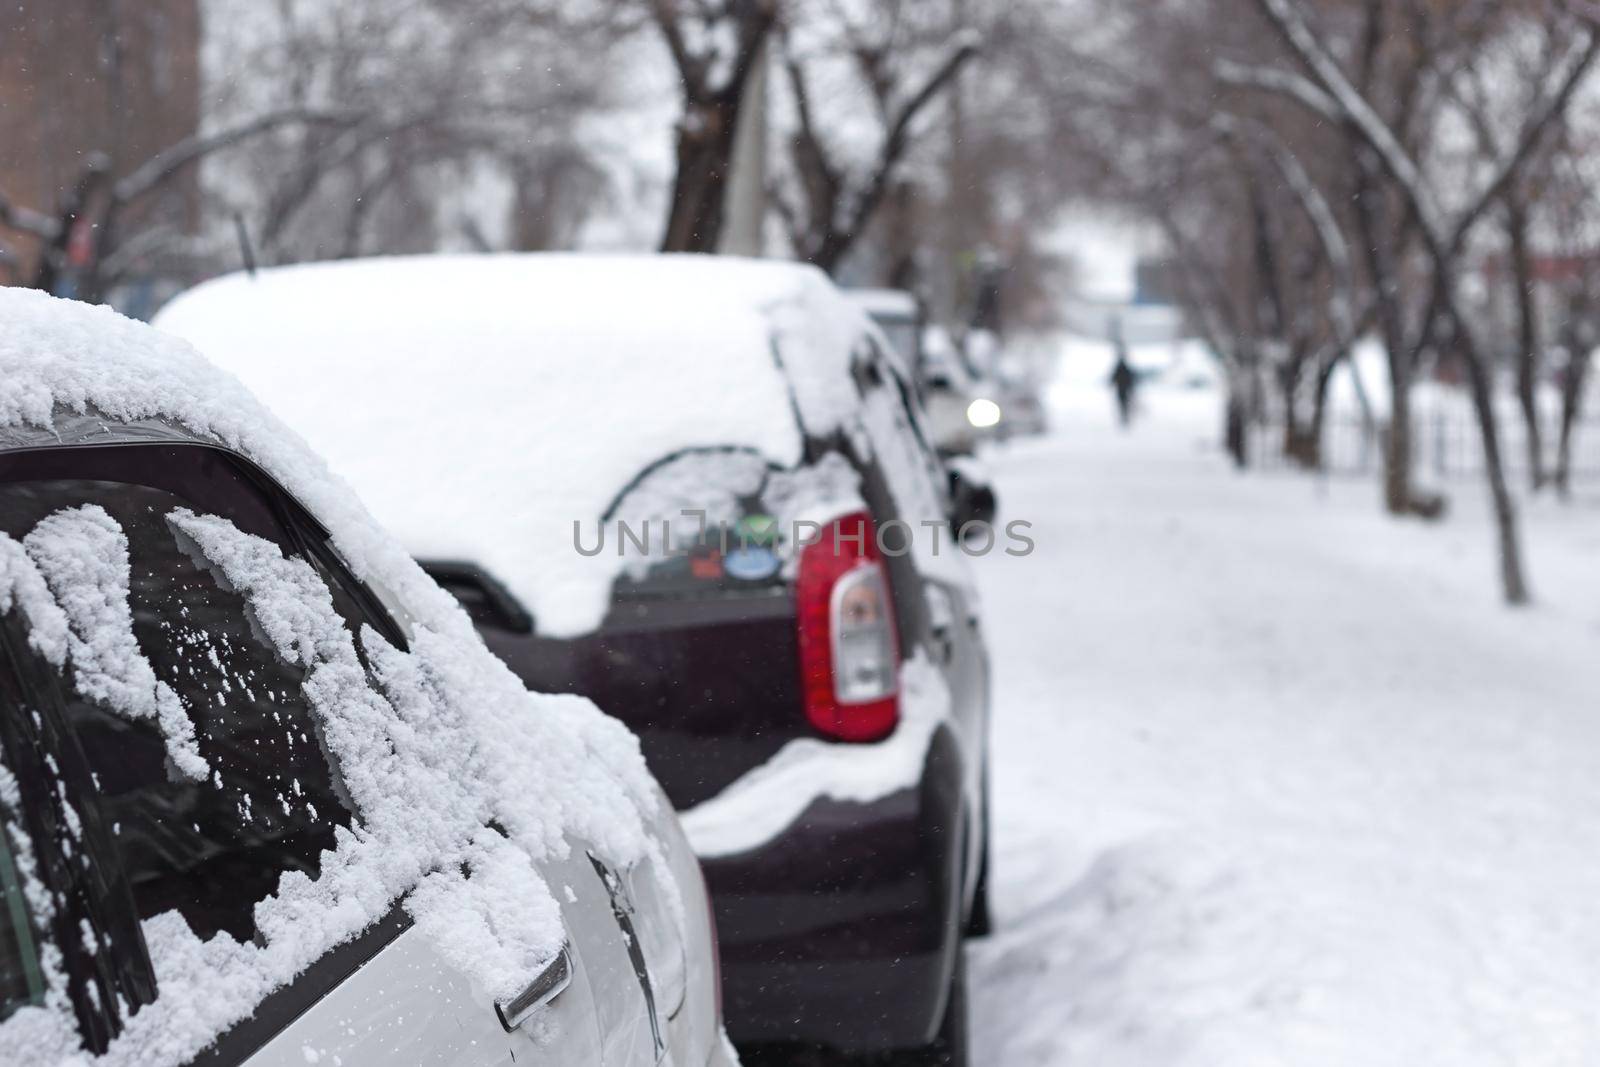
(1124, 380)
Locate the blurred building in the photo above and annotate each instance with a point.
(85, 79)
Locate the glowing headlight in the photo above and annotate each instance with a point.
(983, 413)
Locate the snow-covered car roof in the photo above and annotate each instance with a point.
(438, 742)
(449, 388)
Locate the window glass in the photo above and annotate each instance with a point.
(902, 334)
(21, 975)
(208, 848)
(902, 440)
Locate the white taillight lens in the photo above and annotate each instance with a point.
(864, 652)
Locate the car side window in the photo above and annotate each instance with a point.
(914, 468)
(167, 757)
(206, 830)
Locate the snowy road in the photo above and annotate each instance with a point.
(1277, 781)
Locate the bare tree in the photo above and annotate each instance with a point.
(715, 46)
(87, 228)
(898, 56)
(1572, 205)
(470, 131)
(1444, 231)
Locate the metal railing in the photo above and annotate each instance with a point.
(1447, 442)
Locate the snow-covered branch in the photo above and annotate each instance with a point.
(1290, 21)
(1281, 81)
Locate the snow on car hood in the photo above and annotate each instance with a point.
(483, 404)
(439, 742)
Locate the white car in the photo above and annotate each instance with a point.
(265, 797)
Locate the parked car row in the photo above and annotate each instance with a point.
(286, 781)
(971, 395)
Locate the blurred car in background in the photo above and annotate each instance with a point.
(899, 315)
(962, 411)
(265, 797)
(958, 414)
(750, 571)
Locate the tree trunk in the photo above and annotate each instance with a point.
(1514, 583)
(1317, 432)
(87, 194)
(699, 190)
(1289, 375)
(1528, 342)
(1372, 215)
(1397, 447)
(1233, 432)
(1572, 390)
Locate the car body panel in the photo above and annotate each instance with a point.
(839, 932)
(407, 1005)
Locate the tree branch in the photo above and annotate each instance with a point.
(164, 164)
(1545, 116)
(897, 139)
(665, 14)
(1279, 81)
(1287, 18)
(27, 220)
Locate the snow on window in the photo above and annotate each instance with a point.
(83, 555)
(819, 493)
(22, 586)
(684, 499)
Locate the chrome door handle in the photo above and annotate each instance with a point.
(550, 984)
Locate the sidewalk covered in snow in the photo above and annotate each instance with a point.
(1279, 780)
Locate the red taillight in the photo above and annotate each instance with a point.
(849, 649)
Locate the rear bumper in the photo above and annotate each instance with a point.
(842, 930)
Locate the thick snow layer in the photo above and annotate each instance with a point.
(1278, 781)
(482, 405)
(767, 800)
(442, 740)
(82, 555)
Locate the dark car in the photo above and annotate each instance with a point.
(756, 580)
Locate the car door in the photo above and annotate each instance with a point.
(408, 1005)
